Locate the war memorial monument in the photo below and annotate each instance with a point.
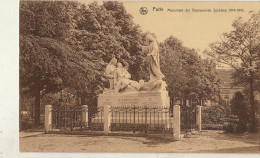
(124, 92)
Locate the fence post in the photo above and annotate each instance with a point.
(198, 117)
(106, 119)
(85, 115)
(47, 122)
(176, 122)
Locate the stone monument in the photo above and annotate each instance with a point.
(124, 92)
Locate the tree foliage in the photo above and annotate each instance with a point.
(67, 45)
(187, 75)
(240, 49)
(241, 110)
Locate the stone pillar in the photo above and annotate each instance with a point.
(198, 117)
(106, 119)
(176, 122)
(47, 122)
(85, 115)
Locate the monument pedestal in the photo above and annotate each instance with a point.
(137, 99)
(144, 108)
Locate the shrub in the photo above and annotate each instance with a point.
(241, 109)
(25, 123)
(231, 124)
(213, 117)
(230, 128)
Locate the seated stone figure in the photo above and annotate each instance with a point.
(123, 81)
(109, 72)
(121, 78)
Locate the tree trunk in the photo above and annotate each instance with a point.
(184, 102)
(200, 101)
(252, 103)
(83, 99)
(37, 108)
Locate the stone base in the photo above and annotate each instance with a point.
(138, 99)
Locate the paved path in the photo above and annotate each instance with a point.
(206, 141)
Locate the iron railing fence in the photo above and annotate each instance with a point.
(71, 118)
(67, 117)
(96, 118)
(156, 119)
(188, 118)
(152, 119)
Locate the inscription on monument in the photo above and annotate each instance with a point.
(149, 94)
(151, 99)
(129, 101)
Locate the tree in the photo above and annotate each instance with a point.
(170, 54)
(210, 82)
(47, 62)
(99, 30)
(66, 45)
(240, 50)
(240, 109)
(132, 37)
(187, 75)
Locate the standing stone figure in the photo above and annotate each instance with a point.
(152, 51)
(109, 72)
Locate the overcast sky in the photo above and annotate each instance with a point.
(194, 29)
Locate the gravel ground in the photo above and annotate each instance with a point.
(205, 142)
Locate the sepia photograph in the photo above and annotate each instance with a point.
(139, 76)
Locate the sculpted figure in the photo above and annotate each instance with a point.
(152, 51)
(123, 81)
(121, 77)
(109, 72)
(137, 85)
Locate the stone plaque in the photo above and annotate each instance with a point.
(140, 99)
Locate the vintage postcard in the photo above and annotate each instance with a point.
(139, 76)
